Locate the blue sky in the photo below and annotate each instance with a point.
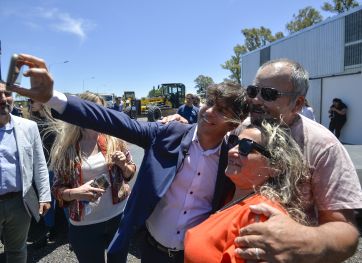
(116, 45)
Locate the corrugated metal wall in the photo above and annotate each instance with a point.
(249, 67)
(320, 50)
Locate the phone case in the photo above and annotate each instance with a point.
(14, 73)
(100, 182)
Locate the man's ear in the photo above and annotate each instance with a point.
(299, 102)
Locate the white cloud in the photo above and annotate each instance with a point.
(71, 25)
(64, 22)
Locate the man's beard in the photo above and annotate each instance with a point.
(261, 115)
(5, 109)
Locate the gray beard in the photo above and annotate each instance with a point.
(5, 109)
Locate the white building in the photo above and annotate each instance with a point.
(331, 51)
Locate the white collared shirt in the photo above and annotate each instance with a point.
(188, 201)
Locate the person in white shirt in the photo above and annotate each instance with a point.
(307, 110)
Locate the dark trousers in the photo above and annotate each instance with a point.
(151, 254)
(89, 242)
(14, 227)
(335, 126)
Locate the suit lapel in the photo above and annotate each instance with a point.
(185, 145)
(19, 138)
(223, 184)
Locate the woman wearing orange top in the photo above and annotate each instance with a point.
(266, 165)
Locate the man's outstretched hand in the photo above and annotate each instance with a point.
(41, 82)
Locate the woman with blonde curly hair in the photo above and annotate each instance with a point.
(266, 165)
(91, 175)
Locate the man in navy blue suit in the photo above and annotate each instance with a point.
(181, 180)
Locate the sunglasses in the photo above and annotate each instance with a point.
(268, 94)
(246, 146)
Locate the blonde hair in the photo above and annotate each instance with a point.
(64, 153)
(289, 167)
(44, 112)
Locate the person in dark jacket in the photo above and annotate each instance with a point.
(338, 115)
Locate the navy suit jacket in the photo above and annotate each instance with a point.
(165, 148)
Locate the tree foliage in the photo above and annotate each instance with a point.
(202, 82)
(339, 6)
(306, 17)
(258, 37)
(233, 64)
(254, 38)
(154, 92)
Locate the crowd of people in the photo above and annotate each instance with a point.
(243, 177)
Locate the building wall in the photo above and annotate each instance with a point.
(320, 50)
(314, 97)
(349, 89)
(250, 65)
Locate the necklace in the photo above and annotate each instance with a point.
(235, 201)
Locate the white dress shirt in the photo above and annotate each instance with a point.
(188, 201)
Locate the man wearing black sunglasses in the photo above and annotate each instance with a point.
(334, 191)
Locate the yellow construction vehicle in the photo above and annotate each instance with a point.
(167, 98)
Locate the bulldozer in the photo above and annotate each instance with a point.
(167, 98)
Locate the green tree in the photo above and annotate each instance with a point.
(152, 93)
(254, 38)
(233, 64)
(306, 17)
(339, 6)
(258, 37)
(202, 82)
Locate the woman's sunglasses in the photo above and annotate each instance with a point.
(246, 146)
(268, 94)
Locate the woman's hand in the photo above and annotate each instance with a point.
(119, 159)
(86, 192)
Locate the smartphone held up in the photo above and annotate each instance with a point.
(15, 71)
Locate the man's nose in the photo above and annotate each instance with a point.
(2, 96)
